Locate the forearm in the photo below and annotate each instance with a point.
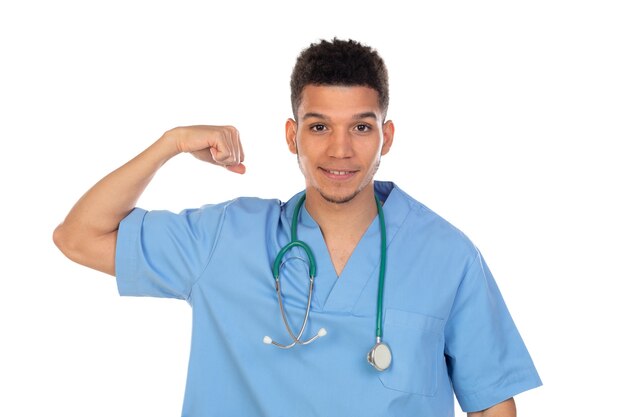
(89, 233)
(100, 210)
(504, 409)
(96, 216)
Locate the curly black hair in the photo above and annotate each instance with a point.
(339, 62)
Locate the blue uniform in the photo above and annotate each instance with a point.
(444, 318)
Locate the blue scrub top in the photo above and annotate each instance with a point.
(444, 318)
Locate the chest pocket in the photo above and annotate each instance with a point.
(416, 343)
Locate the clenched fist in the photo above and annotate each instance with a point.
(219, 145)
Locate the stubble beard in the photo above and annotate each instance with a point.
(346, 199)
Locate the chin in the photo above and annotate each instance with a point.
(338, 199)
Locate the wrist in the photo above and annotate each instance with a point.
(167, 145)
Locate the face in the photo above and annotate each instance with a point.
(339, 138)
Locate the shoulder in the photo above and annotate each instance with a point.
(251, 204)
(237, 207)
(242, 213)
(210, 213)
(426, 224)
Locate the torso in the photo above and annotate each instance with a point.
(343, 230)
(340, 249)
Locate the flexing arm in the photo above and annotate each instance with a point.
(88, 234)
(504, 409)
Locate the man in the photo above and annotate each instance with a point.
(442, 326)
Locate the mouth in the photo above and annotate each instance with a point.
(338, 174)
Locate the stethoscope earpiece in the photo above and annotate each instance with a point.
(320, 333)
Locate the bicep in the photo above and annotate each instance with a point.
(99, 254)
(95, 252)
(104, 253)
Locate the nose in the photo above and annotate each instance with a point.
(340, 145)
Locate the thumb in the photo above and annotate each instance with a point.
(239, 169)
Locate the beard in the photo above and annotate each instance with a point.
(339, 200)
(350, 197)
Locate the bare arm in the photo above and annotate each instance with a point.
(88, 234)
(504, 409)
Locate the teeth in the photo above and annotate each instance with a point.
(338, 172)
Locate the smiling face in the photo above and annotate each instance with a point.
(339, 138)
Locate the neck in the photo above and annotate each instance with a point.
(352, 217)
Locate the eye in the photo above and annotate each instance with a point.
(317, 127)
(362, 128)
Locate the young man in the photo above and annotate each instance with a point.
(390, 273)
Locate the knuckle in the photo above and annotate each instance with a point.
(232, 130)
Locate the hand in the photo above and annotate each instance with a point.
(218, 145)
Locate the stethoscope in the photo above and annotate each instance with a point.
(380, 355)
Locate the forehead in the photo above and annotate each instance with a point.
(338, 101)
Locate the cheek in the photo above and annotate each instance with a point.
(307, 149)
(303, 160)
(375, 152)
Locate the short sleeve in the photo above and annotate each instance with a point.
(161, 254)
(487, 359)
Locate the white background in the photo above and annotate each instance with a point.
(509, 118)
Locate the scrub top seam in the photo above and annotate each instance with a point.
(212, 251)
(461, 281)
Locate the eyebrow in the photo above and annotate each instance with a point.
(364, 115)
(314, 116)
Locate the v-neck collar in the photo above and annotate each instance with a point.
(340, 294)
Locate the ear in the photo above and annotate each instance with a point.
(388, 131)
(291, 128)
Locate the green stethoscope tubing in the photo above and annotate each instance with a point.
(380, 355)
(295, 242)
(381, 271)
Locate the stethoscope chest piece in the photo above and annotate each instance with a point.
(380, 356)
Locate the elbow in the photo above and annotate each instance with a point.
(64, 241)
(58, 237)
